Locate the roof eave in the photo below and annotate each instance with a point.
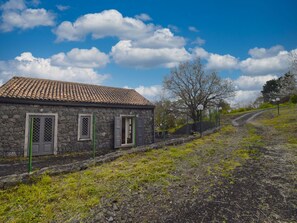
(71, 104)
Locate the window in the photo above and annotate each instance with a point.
(84, 127)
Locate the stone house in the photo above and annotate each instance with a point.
(63, 116)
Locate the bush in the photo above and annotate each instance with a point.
(293, 99)
(266, 105)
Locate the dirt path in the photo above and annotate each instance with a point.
(263, 190)
(243, 119)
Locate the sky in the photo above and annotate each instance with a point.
(135, 43)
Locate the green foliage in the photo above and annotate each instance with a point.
(293, 99)
(266, 105)
(270, 88)
(228, 129)
(239, 110)
(225, 106)
(282, 87)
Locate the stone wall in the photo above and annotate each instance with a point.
(13, 118)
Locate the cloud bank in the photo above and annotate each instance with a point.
(77, 65)
(16, 15)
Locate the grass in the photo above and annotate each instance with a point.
(285, 123)
(71, 196)
(61, 197)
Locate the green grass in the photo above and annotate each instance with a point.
(285, 123)
(237, 157)
(71, 196)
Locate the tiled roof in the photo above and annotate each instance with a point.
(59, 91)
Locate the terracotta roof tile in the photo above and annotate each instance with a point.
(41, 89)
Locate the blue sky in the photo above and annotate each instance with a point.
(132, 43)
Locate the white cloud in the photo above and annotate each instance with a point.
(199, 41)
(149, 92)
(252, 83)
(221, 62)
(275, 61)
(125, 54)
(215, 61)
(141, 45)
(248, 89)
(15, 14)
(259, 53)
(13, 5)
(173, 28)
(111, 23)
(243, 98)
(63, 7)
(161, 38)
(200, 52)
(84, 58)
(103, 24)
(193, 29)
(143, 17)
(28, 65)
(277, 64)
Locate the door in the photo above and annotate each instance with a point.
(43, 135)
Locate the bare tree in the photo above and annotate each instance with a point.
(190, 85)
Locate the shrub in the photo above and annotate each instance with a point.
(294, 99)
(266, 105)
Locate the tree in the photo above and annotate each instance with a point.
(294, 99)
(282, 87)
(190, 86)
(164, 114)
(259, 100)
(293, 57)
(225, 106)
(288, 84)
(270, 90)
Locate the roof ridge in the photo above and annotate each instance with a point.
(68, 82)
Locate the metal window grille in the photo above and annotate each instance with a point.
(36, 129)
(85, 126)
(48, 126)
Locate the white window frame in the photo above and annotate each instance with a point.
(79, 137)
(133, 130)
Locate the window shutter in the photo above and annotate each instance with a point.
(139, 131)
(117, 132)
